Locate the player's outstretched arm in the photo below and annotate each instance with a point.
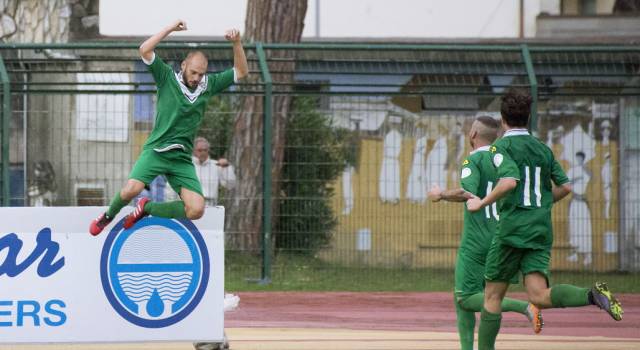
(239, 58)
(147, 47)
(436, 194)
(561, 191)
(504, 186)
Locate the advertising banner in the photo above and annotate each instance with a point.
(161, 280)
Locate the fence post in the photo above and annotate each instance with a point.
(5, 125)
(266, 165)
(533, 83)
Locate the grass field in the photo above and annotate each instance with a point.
(292, 272)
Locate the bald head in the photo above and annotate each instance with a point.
(196, 55)
(483, 131)
(194, 67)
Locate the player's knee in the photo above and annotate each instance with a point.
(537, 297)
(129, 191)
(194, 212)
(493, 297)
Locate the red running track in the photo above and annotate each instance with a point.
(414, 312)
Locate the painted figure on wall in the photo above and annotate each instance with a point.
(436, 169)
(347, 189)
(607, 178)
(417, 185)
(580, 230)
(390, 169)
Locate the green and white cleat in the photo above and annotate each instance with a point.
(605, 300)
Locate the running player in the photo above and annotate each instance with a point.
(182, 99)
(477, 178)
(526, 169)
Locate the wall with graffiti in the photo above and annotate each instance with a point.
(381, 201)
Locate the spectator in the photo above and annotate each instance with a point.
(211, 173)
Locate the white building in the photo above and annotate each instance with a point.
(354, 18)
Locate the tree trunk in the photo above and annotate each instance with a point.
(267, 21)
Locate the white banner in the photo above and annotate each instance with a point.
(161, 280)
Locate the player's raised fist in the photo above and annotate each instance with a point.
(232, 35)
(179, 25)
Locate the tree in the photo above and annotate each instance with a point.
(267, 21)
(316, 155)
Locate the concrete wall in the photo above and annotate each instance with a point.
(587, 27)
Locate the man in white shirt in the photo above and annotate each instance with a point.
(211, 173)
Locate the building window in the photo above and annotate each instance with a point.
(579, 7)
(588, 7)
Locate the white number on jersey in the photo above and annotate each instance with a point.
(494, 206)
(536, 186)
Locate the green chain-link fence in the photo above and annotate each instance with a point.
(370, 128)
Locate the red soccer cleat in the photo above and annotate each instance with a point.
(137, 214)
(98, 224)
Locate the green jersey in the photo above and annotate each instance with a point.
(179, 110)
(478, 176)
(525, 212)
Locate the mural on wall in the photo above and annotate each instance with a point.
(436, 168)
(347, 193)
(578, 148)
(417, 187)
(583, 139)
(580, 232)
(407, 154)
(457, 152)
(390, 169)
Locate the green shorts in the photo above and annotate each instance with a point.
(504, 262)
(175, 165)
(469, 276)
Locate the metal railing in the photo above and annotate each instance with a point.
(427, 88)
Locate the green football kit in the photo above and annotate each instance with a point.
(525, 234)
(179, 113)
(168, 148)
(477, 176)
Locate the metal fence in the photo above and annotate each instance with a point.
(369, 129)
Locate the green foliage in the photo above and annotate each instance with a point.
(217, 125)
(314, 157)
(350, 146)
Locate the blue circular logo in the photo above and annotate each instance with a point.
(155, 273)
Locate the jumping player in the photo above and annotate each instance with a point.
(182, 99)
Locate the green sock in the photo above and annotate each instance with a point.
(172, 210)
(488, 330)
(566, 295)
(466, 321)
(513, 305)
(474, 303)
(116, 205)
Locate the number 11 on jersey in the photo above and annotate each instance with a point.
(536, 186)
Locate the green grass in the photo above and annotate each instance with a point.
(300, 273)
